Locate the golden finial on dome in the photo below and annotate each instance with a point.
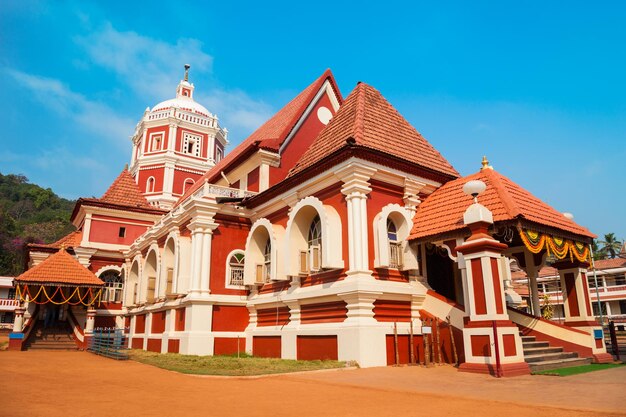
(485, 164)
(63, 247)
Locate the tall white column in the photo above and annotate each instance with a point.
(205, 273)
(196, 250)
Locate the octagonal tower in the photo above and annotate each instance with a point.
(174, 144)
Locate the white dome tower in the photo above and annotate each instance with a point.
(174, 144)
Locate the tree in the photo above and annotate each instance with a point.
(610, 245)
(597, 252)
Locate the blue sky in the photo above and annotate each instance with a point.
(539, 87)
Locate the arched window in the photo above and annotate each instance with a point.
(113, 286)
(267, 260)
(395, 247)
(188, 183)
(234, 269)
(150, 185)
(311, 259)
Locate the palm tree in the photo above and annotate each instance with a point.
(610, 245)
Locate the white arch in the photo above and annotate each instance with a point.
(150, 184)
(165, 264)
(108, 268)
(154, 248)
(297, 230)
(254, 250)
(185, 183)
(401, 217)
(134, 278)
(227, 269)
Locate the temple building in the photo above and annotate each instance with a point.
(334, 231)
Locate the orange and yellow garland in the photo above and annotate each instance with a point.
(24, 291)
(560, 248)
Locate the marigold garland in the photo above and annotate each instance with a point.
(535, 242)
(22, 292)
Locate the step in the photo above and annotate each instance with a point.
(52, 347)
(528, 338)
(530, 345)
(560, 363)
(542, 357)
(541, 350)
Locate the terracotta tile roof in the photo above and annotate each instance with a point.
(271, 135)
(610, 263)
(442, 211)
(125, 192)
(60, 268)
(370, 121)
(70, 240)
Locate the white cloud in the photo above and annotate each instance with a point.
(152, 68)
(95, 117)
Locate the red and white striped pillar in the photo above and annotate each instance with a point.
(492, 342)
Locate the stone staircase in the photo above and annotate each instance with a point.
(57, 337)
(540, 356)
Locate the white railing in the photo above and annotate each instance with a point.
(9, 302)
(395, 255)
(212, 190)
(236, 275)
(186, 115)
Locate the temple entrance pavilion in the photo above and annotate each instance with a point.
(57, 304)
(465, 252)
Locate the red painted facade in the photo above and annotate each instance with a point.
(106, 229)
(154, 345)
(272, 316)
(335, 312)
(179, 320)
(311, 348)
(479, 287)
(158, 322)
(140, 323)
(230, 318)
(572, 298)
(229, 345)
(231, 235)
(300, 142)
(173, 346)
(481, 345)
(266, 346)
(392, 311)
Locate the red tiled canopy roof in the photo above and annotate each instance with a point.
(60, 268)
(71, 240)
(369, 120)
(271, 135)
(442, 211)
(125, 192)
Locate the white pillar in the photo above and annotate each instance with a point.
(18, 323)
(196, 250)
(205, 272)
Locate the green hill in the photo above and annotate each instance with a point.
(28, 213)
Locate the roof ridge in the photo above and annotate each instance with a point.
(509, 203)
(359, 116)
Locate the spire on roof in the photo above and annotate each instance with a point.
(485, 164)
(187, 66)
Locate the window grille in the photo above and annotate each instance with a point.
(113, 287)
(236, 269)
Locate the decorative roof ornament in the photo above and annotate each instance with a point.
(485, 164)
(187, 66)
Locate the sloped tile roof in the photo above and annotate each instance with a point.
(71, 240)
(125, 192)
(367, 119)
(610, 263)
(271, 135)
(442, 211)
(60, 268)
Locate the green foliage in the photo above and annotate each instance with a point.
(28, 214)
(610, 245)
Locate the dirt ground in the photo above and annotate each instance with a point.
(40, 383)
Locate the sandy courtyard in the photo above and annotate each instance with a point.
(40, 383)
